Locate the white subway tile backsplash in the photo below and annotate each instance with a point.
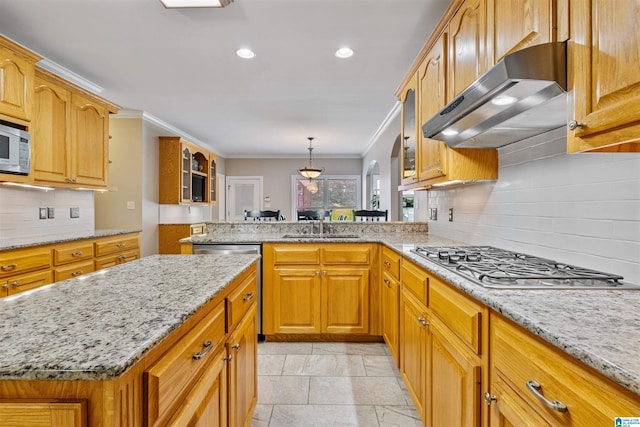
(581, 209)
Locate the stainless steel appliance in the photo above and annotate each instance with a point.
(502, 269)
(14, 150)
(232, 249)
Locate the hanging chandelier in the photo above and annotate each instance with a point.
(309, 171)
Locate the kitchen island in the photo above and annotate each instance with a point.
(103, 342)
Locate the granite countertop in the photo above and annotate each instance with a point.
(599, 327)
(98, 325)
(28, 242)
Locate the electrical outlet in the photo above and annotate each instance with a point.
(433, 214)
(43, 213)
(51, 213)
(450, 214)
(74, 212)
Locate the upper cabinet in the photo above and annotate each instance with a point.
(16, 81)
(187, 173)
(513, 25)
(409, 101)
(604, 73)
(70, 134)
(466, 46)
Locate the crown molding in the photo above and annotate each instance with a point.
(395, 110)
(69, 75)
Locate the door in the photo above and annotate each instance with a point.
(243, 193)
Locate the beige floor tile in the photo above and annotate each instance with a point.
(329, 365)
(356, 391)
(271, 364)
(323, 416)
(285, 348)
(261, 416)
(283, 390)
(380, 366)
(379, 349)
(401, 416)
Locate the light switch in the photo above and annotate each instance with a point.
(74, 212)
(131, 205)
(43, 213)
(51, 212)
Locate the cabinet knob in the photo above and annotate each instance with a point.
(439, 170)
(236, 347)
(387, 263)
(77, 273)
(5, 286)
(489, 399)
(423, 322)
(574, 124)
(229, 358)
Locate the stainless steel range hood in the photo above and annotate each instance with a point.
(521, 96)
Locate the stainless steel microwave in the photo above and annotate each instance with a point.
(15, 153)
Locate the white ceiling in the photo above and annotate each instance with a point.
(180, 66)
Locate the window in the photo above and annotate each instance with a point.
(326, 192)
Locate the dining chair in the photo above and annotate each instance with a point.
(258, 215)
(370, 215)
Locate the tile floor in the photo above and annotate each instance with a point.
(330, 384)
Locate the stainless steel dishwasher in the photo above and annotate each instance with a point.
(233, 249)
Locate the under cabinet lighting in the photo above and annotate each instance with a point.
(27, 186)
(449, 132)
(171, 4)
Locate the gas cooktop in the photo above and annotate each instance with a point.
(502, 269)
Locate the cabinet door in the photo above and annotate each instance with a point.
(513, 25)
(604, 61)
(413, 350)
(213, 181)
(42, 413)
(432, 98)
(242, 350)
(454, 383)
(391, 316)
(16, 81)
(296, 300)
(345, 301)
(466, 46)
(28, 281)
(50, 134)
(509, 410)
(89, 141)
(409, 129)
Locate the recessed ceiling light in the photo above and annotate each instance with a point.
(170, 4)
(245, 53)
(344, 52)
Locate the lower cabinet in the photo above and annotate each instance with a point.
(44, 413)
(317, 288)
(414, 337)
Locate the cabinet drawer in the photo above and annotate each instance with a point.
(342, 254)
(108, 246)
(415, 280)
(296, 254)
(110, 261)
(239, 302)
(462, 315)
(73, 252)
(26, 282)
(73, 270)
(16, 262)
(169, 380)
(43, 412)
(591, 399)
(391, 262)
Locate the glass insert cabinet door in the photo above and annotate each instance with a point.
(409, 133)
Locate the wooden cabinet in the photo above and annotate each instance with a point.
(111, 251)
(187, 173)
(16, 81)
(69, 134)
(604, 75)
(317, 288)
(466, 61)
(513, 25)
(72, 260)
(409, 131)
(391, 301)
(43, 413)
(532, 382)
(24, 269)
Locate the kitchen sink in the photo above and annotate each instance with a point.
(320, 236)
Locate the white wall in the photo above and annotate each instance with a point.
(277, 175)
(19, 213)
(581, 209)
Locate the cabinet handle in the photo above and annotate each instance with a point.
(229, 358)
(536, 389)
(423, 322)
(207, 346)
(8, 267)
(5, 286)
(71, 180)
(121, 245)
(15, 284)
(77, 273)
(488, 399)
(324, 272)
(79, 253)
(317, 273)
(387, 281)
(236, 347)
(387, 263)
(574, 124)
(248, 296)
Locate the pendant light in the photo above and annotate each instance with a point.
(309, 171)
